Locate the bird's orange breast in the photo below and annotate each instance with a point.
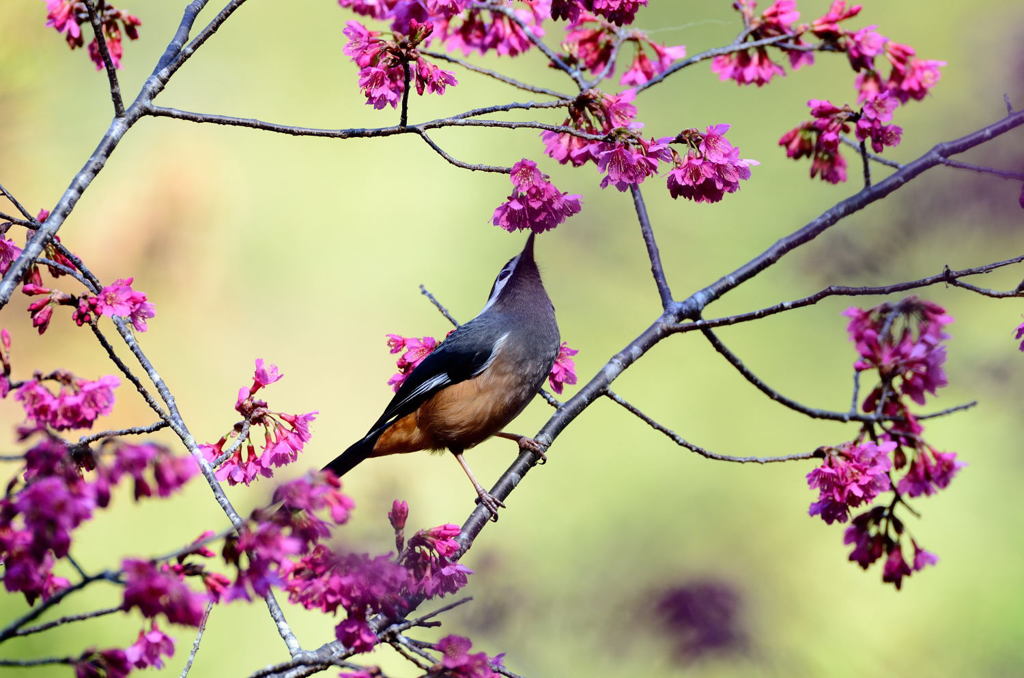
(461, 415)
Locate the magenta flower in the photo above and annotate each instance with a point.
(643, 68)
(930, 472)
(119, 299)
(483, 31)
(416, 349)
(923, 558)
(147, 651)
(67, 17)
(1019, 334)
(111, 663)
(628, 164)
(264, 376)
(868, 542)
(710, 170)
(563, 371)
(156, 590)
(457, 661)
(169, 472)
(913, 359)
(355, 635)
(8, 253)
(851, 475)
(78, 404)
(398, 514)
(895, 567)
(535, 204)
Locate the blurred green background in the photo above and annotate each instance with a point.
(306, 252)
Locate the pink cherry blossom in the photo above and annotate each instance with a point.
(156, 589)
(150, 648)
(458, 662)
(930, 472)
(535, 203)
(851, 475)
(563, 371)
(416, 349)
(712, 167)
(626, 164)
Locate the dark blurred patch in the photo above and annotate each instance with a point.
(702, 619)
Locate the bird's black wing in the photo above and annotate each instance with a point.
(465, 353)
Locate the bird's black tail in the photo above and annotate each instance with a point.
(356, 453)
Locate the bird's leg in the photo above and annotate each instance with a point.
(489, 501)
(527, 444)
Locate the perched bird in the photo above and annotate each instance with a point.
(476, 381)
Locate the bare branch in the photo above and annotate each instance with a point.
(694, 304)
(199, 639)
(438, 305)
(494, 74)
(134, 430)
(11, 629)
(1002, 174)
(679, 440)
(652, 247)
(865, 153)
(126, 371)
(458, 163)
(108, 63)
(947, 276)
(71, 618)
(17, 205)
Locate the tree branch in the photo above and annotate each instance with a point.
(682, 442)
(652, 247)
(495, 74)
(108, 63)
(458, 163)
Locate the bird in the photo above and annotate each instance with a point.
(475, 382)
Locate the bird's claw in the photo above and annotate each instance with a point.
(535, 447)
(491, 503)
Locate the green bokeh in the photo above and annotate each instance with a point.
(307, 251)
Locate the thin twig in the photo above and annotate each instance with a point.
(458, 163)
(852, 143)
(126, 371)
(198, 640)
(11, 629)
(403, 117)
(679, 440)
(17, 205)
(652, 247)
(243, 434)
(866, 162)
(495, 74)
(71, 618)
(1002, 174)
(108, 63)
(438, 305)
(37, 662)
(132, 431)
(947, 276)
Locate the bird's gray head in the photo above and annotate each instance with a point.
(520, 275)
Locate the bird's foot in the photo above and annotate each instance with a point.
(489, 502)
(534, 446)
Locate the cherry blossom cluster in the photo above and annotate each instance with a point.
(711, 168)
(535, 204)
(563, 371)
(594, 42)
(60, 489)
(903, 344)
(118, 299)
(754, 66)
(619, 12)
(363, 585)
(384, 65)
(285, 435)
(68, 16)
(820, 138)
(76, 405)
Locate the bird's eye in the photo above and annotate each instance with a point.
(504, 274)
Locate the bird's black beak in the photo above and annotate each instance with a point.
(528, 248)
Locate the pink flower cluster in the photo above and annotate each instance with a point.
(161, 590)
(9, 251)
(820, 138)
(619, 12)
(535, 204)
(39, 514)
(285, 435)
(415, 350)
(902, 342)
(753, 66)
(117, 299)
(712, 166)
(77, 404)
(870, 535)
(563, 371)
(458, 662)
(68, 16)
(590, 41)
(383, 63)
(147, 651)
(852, 474)
(265, 551)
(365, 585)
